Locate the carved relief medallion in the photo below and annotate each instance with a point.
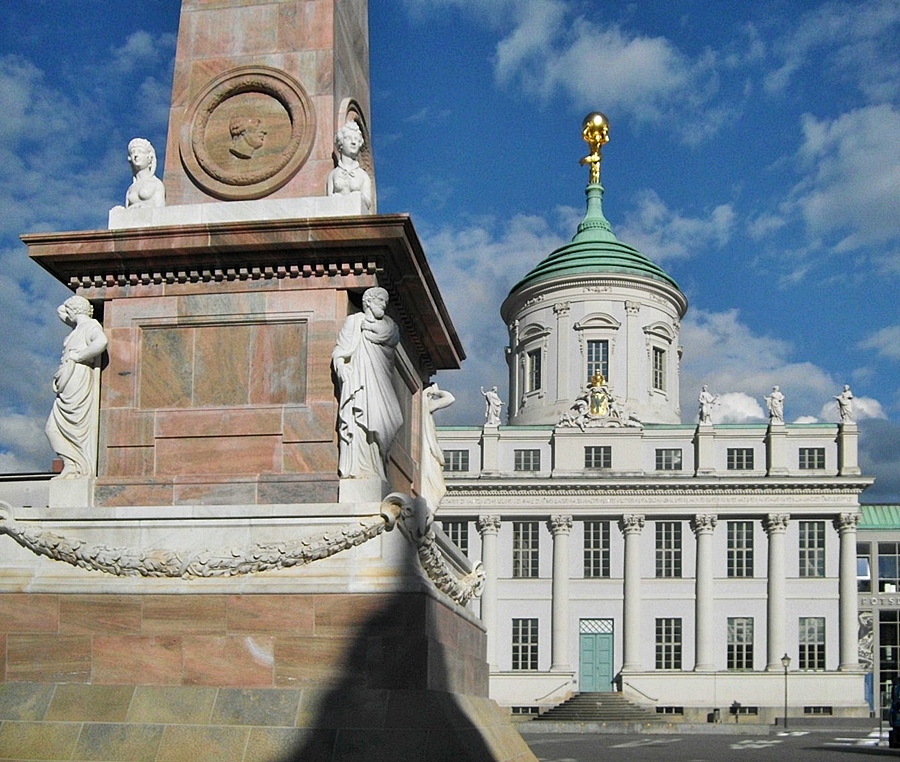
(248, 132)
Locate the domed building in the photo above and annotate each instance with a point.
(679, 564)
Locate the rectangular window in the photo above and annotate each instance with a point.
(524, 644)
(668, 548)
(668, 459)
(812, 458)
(739, 459)
(740, 642)
(458, 532)
(533, 378)
(668, 643)
(456, 460)
(525, 548)
(740, 548)
(598, 456)
(888, 567)
(812, 642)
(527, 460)
(597, 359)
(812, 548)
(596, 549)
(659, 369)
(863, 567)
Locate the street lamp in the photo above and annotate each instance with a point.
(785, 662)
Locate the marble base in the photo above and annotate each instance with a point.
(72, 493)
(350, 205)
(362, 490)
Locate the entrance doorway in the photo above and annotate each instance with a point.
(595, 655)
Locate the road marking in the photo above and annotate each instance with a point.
(754, 744)
(645, 742)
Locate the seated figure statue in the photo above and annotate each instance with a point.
(72, 425)
(348, 175)
(146, 189)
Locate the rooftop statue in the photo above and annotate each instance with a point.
(706, 399)
(72, 425)
(595, 131)
(492, 405)
(845, 404)
(369, 415)
(348, 176)
(775, 404)
(146, 189)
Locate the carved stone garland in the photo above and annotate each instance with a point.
(413, 516)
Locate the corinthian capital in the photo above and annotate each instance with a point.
(488, 525)
(776, 523)
(704, 523)
(847, 522)
(560, 525)
(632, 523)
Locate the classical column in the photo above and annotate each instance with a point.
(703, 526)
(776, 526)
(635, 356)
(489, 528)
(563, 359)
(560, 527)
(849, 654)
(631, 526)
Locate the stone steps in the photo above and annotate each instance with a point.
(597, 707)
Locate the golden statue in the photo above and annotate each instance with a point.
(599, 395)
(595, 131)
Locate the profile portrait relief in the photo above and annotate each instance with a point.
(248, 135)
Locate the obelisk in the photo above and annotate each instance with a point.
(260, 89)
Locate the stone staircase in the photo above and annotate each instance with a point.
(597, 707)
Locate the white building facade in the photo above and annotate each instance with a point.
(625, 550)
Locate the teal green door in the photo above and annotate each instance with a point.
(595, 670)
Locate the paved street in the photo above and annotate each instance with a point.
(797, 746)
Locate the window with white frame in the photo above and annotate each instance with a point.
(598, 456)
(739, 459)
(659, 369)
(863, 567)
(533, 370)
(740, 643)
(668, 643)
(812, 642)
(458, 532)
(668, 548)
(812, 458)
(888, 567)
(812, 548)
(525, 548)
(596, 549)
(597, 358)
(740, 548)
(524, 644)
(668, 459)
(527, 460)
(456, 460)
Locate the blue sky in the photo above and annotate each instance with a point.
(754, 155)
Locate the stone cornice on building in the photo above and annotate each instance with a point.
(361, 250)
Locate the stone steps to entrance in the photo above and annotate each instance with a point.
(597, 707)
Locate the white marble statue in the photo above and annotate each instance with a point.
(348, 175)
(146, 189)
(369, 415)
(775, 404)
(72, 425)
(706, 399)
(492, 405)
(431, 472)
(845, 404)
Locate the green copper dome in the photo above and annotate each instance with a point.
(594, 249)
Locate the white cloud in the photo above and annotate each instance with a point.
(852, 188)
(662, 233)
(854, 41)
(886, 342)
(725, 354)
